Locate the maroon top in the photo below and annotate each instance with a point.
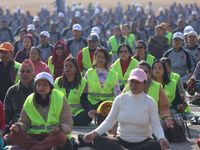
(2, 118)
(124, 65)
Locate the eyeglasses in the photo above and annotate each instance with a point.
(179, 40)
(123, 52)
(23, 71)
(139, 47)
(59, 48)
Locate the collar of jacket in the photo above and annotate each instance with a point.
(20, 85)
(181, 48)
(45, 46)
(192, 48)
(75, 40)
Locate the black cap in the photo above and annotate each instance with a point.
(92, 37)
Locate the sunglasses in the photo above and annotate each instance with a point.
(139, 47)
(123, 52)
(27, 71)
(59, 48)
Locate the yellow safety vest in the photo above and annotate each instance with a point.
(131, 38)
(87, 64)
(174, 76)
(117, 67)
(38, 125)
(96, 93)
(74, 98)
(169, 36)
(17, 66)
(170, 91)
(51, 66)
(150, 59)
(114, 45)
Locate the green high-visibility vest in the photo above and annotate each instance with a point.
(17, 66)
(174, 76)
(117, 67)
(169, 36)
(150, 59)
(96, 93)
(51, 66)
(131, 38)
(87, 64)
(38, 125)
(170, 91)
(74, 98)
(114, 45)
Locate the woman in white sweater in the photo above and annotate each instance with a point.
(137, 116)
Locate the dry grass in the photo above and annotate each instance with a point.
(34, 5)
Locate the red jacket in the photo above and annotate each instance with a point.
(2, 118)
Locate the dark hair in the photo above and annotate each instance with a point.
(167, 60)
(127, 46)
(3, 21)
(122, 37)
(62, 83)
(144, 63)
(166, 79)
(23, 30)
(38, 49)
(169, 25)
(126, 25)
(38, 98)
(159, 26)
(107, 57)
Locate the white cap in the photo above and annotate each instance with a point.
(97, 3)
(82, 6)
(97, 11)
(77, 14)
(73, 8)
(73, 3)
(22, 12)
(42, 6)
(187, 30)
(66, 10)
(7, 8)
(60, 14)
(95, 30)
(45, 7)
(15, 12)
(54, 9)
(31, 27)
(192, 33)
(77, 27)
(160, 9)
(139, 5)
(36, 18)
(138, 9)
(191, 3)
(44, 75)
(45, 33)
(105, 9)
(67, 5)
(86, 11)
(178, 35)
(18, 8)
(132, 4)
(194, 12)
(92, 34)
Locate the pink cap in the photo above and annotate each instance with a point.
(137, 74)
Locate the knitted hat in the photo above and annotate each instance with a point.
(27, 63)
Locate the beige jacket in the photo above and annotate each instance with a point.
(66, 121)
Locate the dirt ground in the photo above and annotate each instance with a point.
(34, 5)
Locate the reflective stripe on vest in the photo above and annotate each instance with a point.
(114, 45)
(51, 66)
(117, 67)
(17, 66)
(170, 91)
(105, 94)
(86, 61)
(131, 38)
(169, 36)
(174, 76)
(74, 97)
(150, 59)
(38, 125)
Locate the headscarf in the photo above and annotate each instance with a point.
(65, 54)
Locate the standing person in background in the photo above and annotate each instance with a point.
(35, 56)
(88, 29)
(114, 42)
(75, 89)
(24, 53)
(2, 126)
(8, 16)
(46, 24)
(105, 16)
(29, 18)
(85, 18)
(129, 37)
(18, 45)
(194, 22)
(23, 25)
(161, 17)
(38, 27)
(101, 26)
(124, 64)
(53, 16)
(180, 27)
(14, 23)
(102, 82)
(54, 35)
(142, 54)
(31, 30)
(167, 34)
(133, 29)
(149, 8)
(110, 25)
(102, 43)
(55, 62)
(143, 34)
(61, 24)
(158, 44)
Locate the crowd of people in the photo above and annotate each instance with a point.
(56, 70)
